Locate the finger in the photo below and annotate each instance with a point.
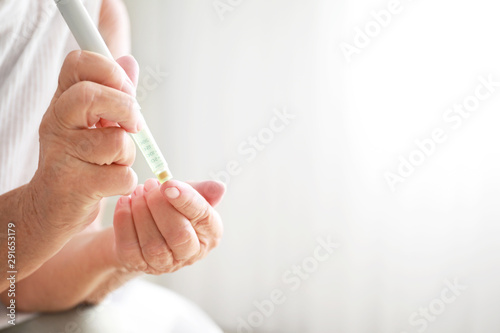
(106, 180)
(211, 190)
(131, 67)
(126, 240)
(102, 146)
(85, 103)
(153, 246)
(106, 123)
(205, 220)
(175, 227)
(186, 200)
(89, 66)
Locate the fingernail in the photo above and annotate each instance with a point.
(149, 185)
(172, 192)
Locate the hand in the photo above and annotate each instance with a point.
(160, 229)
(85, 152)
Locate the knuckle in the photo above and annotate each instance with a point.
(116, 180)
(184, 204)
(194, 259)
(72, 60)
(128, 103)
(110, 180)
(134, 264)
(195, 207)
(216, 241)
(59, 110)
(217, 238)
(213, 232)
(202, 216)
(160, 271)
(131, 152)
(181, 237)
(45, 126)
(155, 250)
(212, 243)
(123, 148)
(120, 141)
(85, 93)
(69, 67)
(85, 144)
(138, 266)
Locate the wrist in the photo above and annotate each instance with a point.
(107, 247)
(33, 243)
(31, 215)
(113, 260)
(55, 211)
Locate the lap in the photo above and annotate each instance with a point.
(138, 306)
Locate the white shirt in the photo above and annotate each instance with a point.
(34, 40)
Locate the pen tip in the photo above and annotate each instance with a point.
(164, 176)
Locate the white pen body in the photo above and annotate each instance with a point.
(82, 27)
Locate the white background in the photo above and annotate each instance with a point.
(323, 175)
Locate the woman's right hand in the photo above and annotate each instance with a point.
(85, 152)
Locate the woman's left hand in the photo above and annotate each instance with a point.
(159, 229)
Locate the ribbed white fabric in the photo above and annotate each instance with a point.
(34, 41)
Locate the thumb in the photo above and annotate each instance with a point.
(131, 67)
(211, 190)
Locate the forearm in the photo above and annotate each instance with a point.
(48, 212)
(33, 243)
(83, 271)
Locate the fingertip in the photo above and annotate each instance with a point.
(222, 187)
(138, 191)
(123, 202)
(215, 188)
(150, 184)
(213, 191)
